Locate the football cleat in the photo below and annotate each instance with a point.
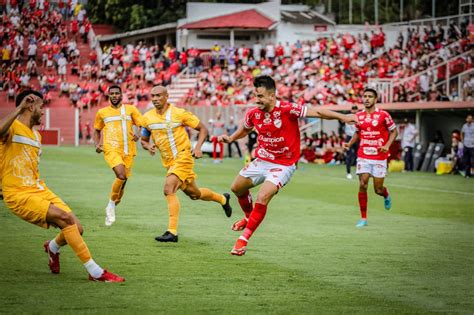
(362, 223)
(167, 237)
(240, 225)
(227, 208)
(108, 277)
(53, 258)
(387, 202)
(109, 216)
(239, 248)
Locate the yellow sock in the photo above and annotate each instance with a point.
(75, 240)
(173, 211)
(60, 240)
(122, 190)
(209, 195)
(117, 193)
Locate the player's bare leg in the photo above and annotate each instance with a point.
(116, 194)
(172, 185)
(381, 190)
(265, 194)
(363, 185)
(205, 194)
(241, 189)
(71, 230)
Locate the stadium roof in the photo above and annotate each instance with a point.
(143, 31)
(305, 17)
(250, 19)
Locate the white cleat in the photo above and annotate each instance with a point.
(349, 176)
(109, 216)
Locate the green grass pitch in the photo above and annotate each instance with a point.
(306, 257)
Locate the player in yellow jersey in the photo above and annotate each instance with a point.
(115, 122)
(165, 125)
(27, 195)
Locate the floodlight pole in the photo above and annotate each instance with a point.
(401, 10)
(376, 8)
(350, 11)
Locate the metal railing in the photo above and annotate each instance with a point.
(385, 87)
(444, 20)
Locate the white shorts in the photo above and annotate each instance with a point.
(376, 168)
(259, 171)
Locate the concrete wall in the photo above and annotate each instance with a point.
(445, 121)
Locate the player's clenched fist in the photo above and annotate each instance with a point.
(224, 138)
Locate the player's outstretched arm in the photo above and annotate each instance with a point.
(329, 114)
(6, 122)
(238, 134)
(203, 132)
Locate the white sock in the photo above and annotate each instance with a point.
(93, 269)
(53, 246)
(111, 204)
(243, 238)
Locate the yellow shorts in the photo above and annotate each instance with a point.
(183, 167)
(32, 206)
(115, 158)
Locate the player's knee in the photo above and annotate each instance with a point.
(194, 196)
(67, 218)
(168, 190)
(363, 186)
(378, 190)
(121, 176)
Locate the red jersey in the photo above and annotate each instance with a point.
(278, 132)
(373, 130)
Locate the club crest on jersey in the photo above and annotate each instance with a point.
(257, 115)
(375, 123)
(277, 123)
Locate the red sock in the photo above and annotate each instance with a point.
(256, 217)
(363, 204)
(385, 192)
(245, 202)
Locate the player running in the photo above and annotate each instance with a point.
(27, 195)
(376, 131)
(165, 124)
(277, 152)
(116, 124)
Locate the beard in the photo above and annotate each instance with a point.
(35, 120)
(115, 102)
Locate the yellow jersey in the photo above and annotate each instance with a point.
(20, 159)
(168, 132)
(117, 128)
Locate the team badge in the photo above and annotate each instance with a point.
(277, 123)
(375, 123)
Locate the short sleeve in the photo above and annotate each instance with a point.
(137, 117)
(189, 119)
(98, 122)
(297, 111)
(248, 122)
(389, 122)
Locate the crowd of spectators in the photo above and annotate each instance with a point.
(40, 49)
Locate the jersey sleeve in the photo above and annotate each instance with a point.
(248, 120)
(189, 119)
(98, 122)
(389, 122)
(137, 117)
(297, 111)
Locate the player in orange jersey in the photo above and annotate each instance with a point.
(27, 195)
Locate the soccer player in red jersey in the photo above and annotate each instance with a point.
(277, 152)
(376, 132)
